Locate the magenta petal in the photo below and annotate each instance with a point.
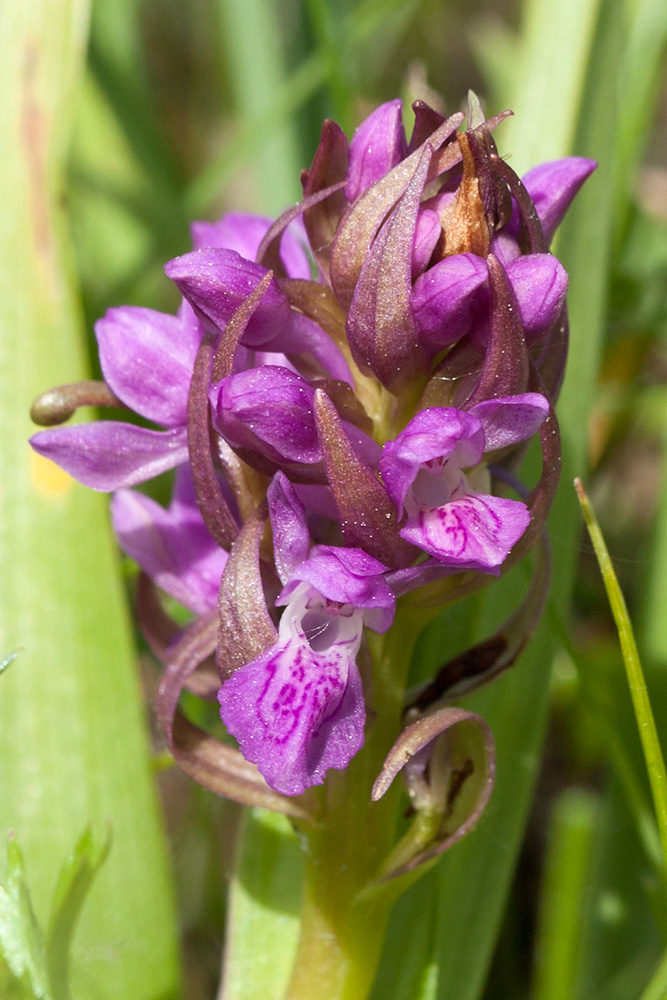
(109, 455)
(540, 284)
(347, 576)
(447, 298)
(472, 532)
(291, 539)
(553, 185)
(376, 147)
(270, 410)
(147, 359)
(434, 433)
(217, 281)
(172, 546)
(511, 419)
(296, 713)
(244, 233)
(427, 234)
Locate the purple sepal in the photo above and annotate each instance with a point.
(270, 410)
(435, 435)
(217, 281)
(347, 576)
(147, 359)
(109, 455)
(540, 284)
(291, 539)
(469, 532)
(376, 147)
(244, 233)
(172, 546)
(448, 298)
(553, 185)
(427, 234)
(510, 420)
(298, 709)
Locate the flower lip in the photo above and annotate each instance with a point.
(432, 471)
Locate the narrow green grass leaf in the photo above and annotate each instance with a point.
(21, 939)
(73, 745)
(566, 877)
(642, 71)
(648, 732)
(263, 917)
(251, 44)
(72, 888)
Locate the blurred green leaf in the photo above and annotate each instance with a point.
(263, 917)
(72, 888)
(549, 82)
(566, 877)
(73, 742)
(20, 935)
(250, 36)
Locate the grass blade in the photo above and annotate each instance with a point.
(73, 744)
(648, 732)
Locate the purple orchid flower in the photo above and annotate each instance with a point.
(298, 709)
(172, 546)
(270, 411)
(147, 359)
(433, 472)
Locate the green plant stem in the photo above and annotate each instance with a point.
(343, 922)
(640, 699)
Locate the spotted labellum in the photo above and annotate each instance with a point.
(345, 395)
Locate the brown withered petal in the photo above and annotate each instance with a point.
(506, 363)
(246, 629)
(450, 155)
(158, 628)
(214, 364)
(362, 221)
(465, 225)
(448, 762)
(213, 764)
(534, 241)
(60, 403)
(368, 517)
(268, 253)
(381, 328)
(330, 165)
(427, 120)
(212, 505)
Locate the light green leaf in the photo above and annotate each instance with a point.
(263, 919)
(74, 882)
(73, 746)
(566, 877)
(20, 936)
(549, 79)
